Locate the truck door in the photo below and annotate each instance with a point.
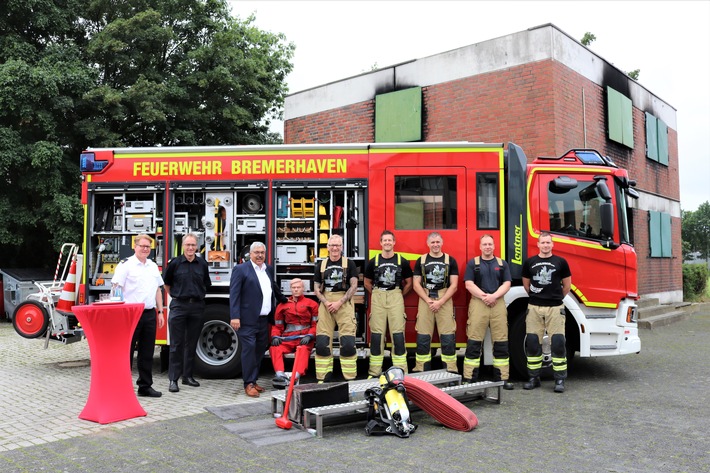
(572, 214)
(421, 200)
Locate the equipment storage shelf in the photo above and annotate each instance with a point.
(224, 220)
(306, 216)
(116, 217)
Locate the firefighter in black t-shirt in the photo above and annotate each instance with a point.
(335, 281)
(436, 277)
(388, 278)
(547, 280)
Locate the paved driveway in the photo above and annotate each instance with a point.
(637, 413)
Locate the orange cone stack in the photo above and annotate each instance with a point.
(68, 296)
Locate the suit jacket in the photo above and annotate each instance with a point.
(245, 296)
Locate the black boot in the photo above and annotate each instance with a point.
(533, 383)
(560, 386)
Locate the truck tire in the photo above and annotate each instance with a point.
(30, 319)
(218, 352)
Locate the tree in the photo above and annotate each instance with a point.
(588, 38)
(695, 230)
(42, 79)
(182, 72)
(80, 73)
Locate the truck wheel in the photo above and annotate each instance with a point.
(218, 351)
(516, 348)
(30, 319)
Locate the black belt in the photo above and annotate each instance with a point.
(188, 300)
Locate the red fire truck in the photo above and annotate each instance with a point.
(293, 198)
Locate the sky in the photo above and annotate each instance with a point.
(669, 41)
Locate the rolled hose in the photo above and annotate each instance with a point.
(440, 405)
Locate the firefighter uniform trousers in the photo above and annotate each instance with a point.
(445, 322)
(538, 319)
(387, 309)
(480, 316)
(347, 326)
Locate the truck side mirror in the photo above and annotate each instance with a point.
(606, 211)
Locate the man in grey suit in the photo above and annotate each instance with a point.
(252, 294)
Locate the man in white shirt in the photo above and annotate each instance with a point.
(140, 281)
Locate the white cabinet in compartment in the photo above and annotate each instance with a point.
(251, 225)
(139, 223)
(291, 253)
(139, 206)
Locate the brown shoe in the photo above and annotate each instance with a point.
(259, 388)
(251, 391)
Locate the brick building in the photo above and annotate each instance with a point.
(538, 88)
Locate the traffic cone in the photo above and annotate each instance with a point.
(68, 296)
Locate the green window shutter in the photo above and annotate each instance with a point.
(651, 137)
(620, 118)
(666, 245)
(614, 110)
(398, 116)
(662, 142)
(654, 232)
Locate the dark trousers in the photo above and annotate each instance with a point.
(185, 325)
(144, 338)
(254, 340)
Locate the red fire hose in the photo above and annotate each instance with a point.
(440, 405)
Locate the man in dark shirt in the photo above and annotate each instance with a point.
(186, 280)
(388, 278)
(436, 277)
(487, 279)
(547, 280)
(335, 281)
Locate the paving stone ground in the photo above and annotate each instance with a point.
(628, 414)
(44, 390)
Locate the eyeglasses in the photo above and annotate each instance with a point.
(143, 247)
(189, 244)
(335, 246)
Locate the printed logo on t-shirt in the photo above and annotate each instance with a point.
(542, 278)
(334, 276)
(388, 277)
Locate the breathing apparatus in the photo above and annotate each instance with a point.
(388, 409)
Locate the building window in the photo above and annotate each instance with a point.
(659, 228)
(621, 123)
(487, 201)
(425, 202)
(398, 116)
(656, 139)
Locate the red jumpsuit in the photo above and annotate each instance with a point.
(298, 316)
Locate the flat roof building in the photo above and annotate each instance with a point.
(539, 88)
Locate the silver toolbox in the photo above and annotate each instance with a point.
(139, 223)
(286, 285)
(180, 222)
(139, 206)
(292, 253)
(251, 225)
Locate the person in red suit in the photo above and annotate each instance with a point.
(294, 325)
